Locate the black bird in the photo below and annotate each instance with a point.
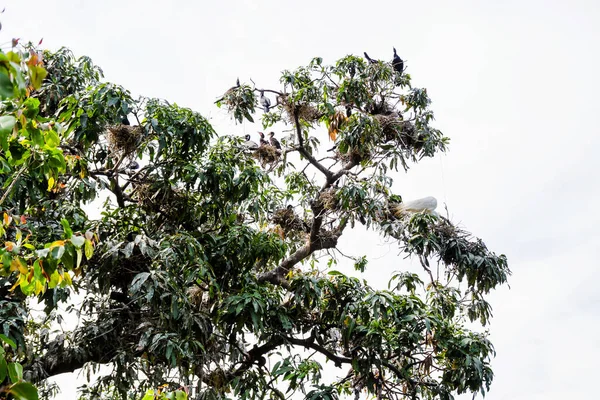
(348, 111)
(264, 101)
(125, 121)
(250, 143)
(274, 142)
(352, 71)
(237, 82)
(397, 63)
(262, 140)
(133, 165)
(371, 61)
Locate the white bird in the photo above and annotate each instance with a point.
(250, 143)
(427, 204)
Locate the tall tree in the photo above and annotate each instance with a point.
(213, 266)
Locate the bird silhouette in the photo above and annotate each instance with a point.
(264, 101)
(397, 63)
(249, 143)
(274, 142)
(125, 121)
(237, 82)
(262, 140)
(371, 61)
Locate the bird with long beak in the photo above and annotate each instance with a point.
(397, 63)
(264, 101)
(249, 143)
(274, 142)
(262, 140)
(371, 61)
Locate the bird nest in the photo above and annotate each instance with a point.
(170, 201)
(329, 199)
(352, 155)
(305, 112)
(287, 219)
(391, 126)
(123, 139)
(267, 154)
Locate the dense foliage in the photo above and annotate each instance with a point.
(210, 271)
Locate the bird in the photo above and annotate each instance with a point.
(264, 101)
(262, 140)
(133, 165)
(125, 121)
(426, 204)
(371, 61)
(274, 142)
(237, 82)
(249, 143)
(397, 63)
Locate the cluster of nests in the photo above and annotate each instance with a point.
(305, 112)
(123, 139)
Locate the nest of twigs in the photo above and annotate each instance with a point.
(391, 126)
(305, 112)
(123, 139)
(198, 296)
(287, 219)
(172, 201)
(267, 154)
(329, 199)
(352, 155)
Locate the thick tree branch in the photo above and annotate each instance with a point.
(337, 360)
(305, 152)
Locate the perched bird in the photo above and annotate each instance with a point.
(133, 165)
(250, 143)
(397, 63)
(426, 204)
(237, 82)
(125, 121)
(264, 101)
(262, 140)
(351, 71)
(371, 61)
(274, 142)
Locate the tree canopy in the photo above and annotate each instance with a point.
(211, 270)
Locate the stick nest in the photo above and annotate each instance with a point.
(123, 139)
(306, 112)
(267, 154)
(329, 199)
(287, 219)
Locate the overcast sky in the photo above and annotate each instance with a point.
(514, 85)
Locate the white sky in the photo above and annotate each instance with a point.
(514, 84)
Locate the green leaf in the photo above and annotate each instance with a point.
(24, 391)
(37, 75)
(77, 241)
(6, 86)
(15, 372)
(52, 139)
(7, 123)
(3, 368)
(8, 341)
(66, 228)
(89, 249)
(149, 395)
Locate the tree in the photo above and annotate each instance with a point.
(214, 257)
